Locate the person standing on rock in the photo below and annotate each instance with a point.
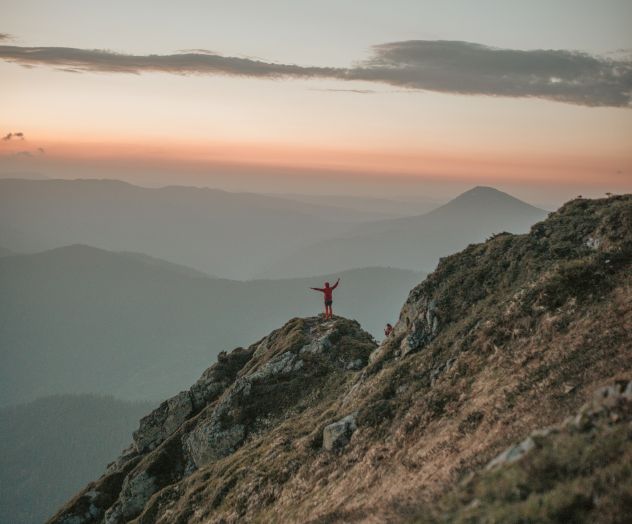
(328, 292)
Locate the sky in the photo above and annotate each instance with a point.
(398, 98)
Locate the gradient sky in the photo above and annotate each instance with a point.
(321, 132)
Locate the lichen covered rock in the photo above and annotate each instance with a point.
(244, 395)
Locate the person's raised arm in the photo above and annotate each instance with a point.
(336, 284)
(317, 289)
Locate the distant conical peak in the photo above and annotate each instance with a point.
(484, 190)
(484, 195)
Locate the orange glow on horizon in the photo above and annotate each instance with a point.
(464, 165)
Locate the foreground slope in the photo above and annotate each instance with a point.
(83, 320)
(576, 471)
(300, 370)
(504, 338)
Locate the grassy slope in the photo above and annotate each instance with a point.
(579, 471)
(530, 326)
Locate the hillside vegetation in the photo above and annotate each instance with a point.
(314, 423)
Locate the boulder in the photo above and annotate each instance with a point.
(336, 436)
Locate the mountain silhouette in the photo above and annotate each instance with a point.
(231, 235)
(415, 242)
(79, 319)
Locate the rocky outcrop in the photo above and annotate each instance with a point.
(169, 416)
(246, 393)
(503, 338)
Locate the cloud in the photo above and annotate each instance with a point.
(182, 63)
(467, 68)
(432, 65)
(5, 36)
(357, 91)
(10, 136)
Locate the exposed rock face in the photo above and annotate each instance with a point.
(503, 339)
(164, 421)
(245, 394)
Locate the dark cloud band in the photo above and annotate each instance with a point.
(442, 66)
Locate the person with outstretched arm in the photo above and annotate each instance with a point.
(327, 291)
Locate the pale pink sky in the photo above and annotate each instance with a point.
(309, 134)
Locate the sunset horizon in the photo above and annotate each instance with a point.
(406, 113)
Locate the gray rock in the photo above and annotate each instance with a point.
(214, 437)
(162, 422)
(134, 495)
(336, 436)
(165, 420)
(609, 396)
(211, 441)
(355, 364)
(512, 453)
(593, 242)
(281, 364)
(422, 324)
(435, 325)
(319, 344)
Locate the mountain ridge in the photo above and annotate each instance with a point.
(196, 227)
(504, 338)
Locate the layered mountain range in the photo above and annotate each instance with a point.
(244, 236)
(78, 319)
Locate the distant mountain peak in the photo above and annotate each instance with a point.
(486, 198)
(484, 189)
(486, 192)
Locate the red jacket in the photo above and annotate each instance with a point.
(328, 291)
